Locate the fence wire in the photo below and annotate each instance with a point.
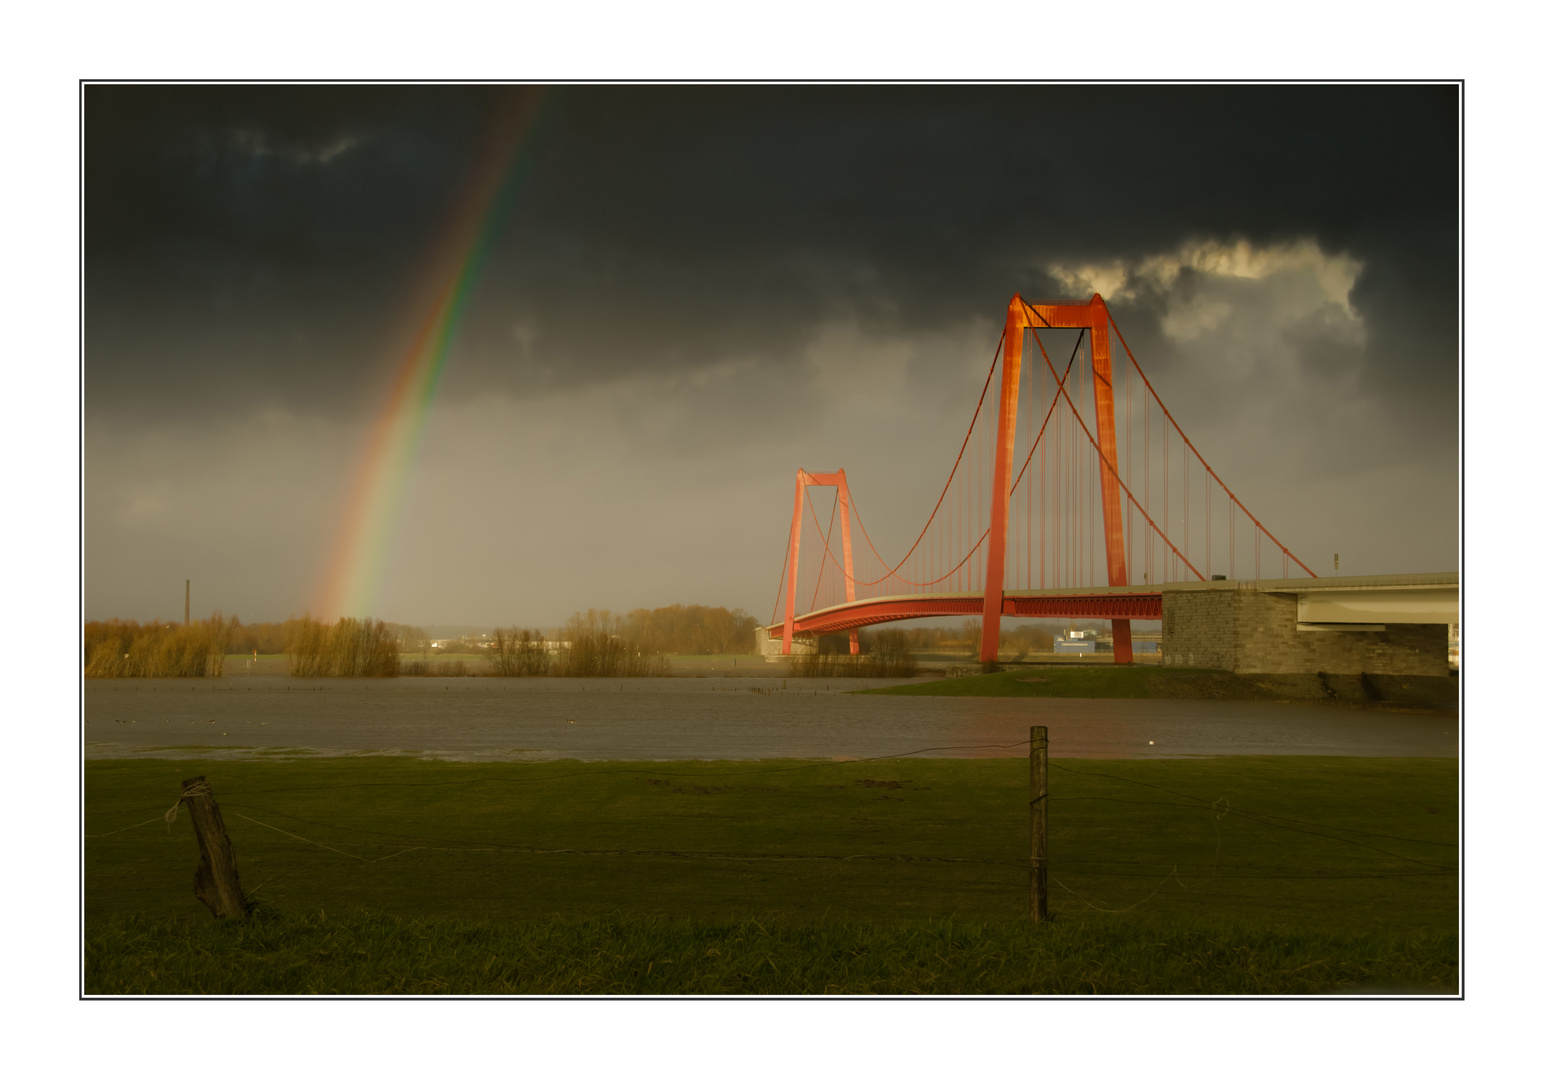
(1100, 868)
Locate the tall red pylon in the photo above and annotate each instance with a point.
(1094, 318)
(838, 480)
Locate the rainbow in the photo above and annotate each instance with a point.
(350, 580)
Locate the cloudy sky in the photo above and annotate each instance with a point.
(700, 289)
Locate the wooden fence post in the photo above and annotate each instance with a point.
(215, 881)
(1037, 826)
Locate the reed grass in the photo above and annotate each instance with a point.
(118, 649)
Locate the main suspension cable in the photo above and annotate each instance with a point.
(1100, 451)
(974, 417)
(1197, 453)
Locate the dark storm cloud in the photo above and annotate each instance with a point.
(256, 239)
(258, 245)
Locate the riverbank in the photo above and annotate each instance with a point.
(1421, 692)
(1226, 875)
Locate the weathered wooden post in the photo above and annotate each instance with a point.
(215, 881)
(1038, 742)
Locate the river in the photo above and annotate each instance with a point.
(487, 719)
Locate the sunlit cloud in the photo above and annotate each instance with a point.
(259, 144)
(1335, 274)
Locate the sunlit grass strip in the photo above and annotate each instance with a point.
(375, 954)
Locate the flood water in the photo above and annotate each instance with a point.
(486, 719)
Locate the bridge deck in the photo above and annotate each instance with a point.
(1391, 597)
(1142, 602)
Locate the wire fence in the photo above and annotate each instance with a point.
(1433, 860)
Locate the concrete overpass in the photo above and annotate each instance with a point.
(1385, 624)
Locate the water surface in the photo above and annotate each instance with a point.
(486, 719)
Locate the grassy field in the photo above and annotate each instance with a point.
(391, 875)
(1108, 681)
(373, 954)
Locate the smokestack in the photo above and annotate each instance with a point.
(187, 599)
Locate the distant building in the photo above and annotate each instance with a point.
(1094, 641)
(1076, 641)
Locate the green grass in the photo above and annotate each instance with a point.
(1203, 876)
(318, 953)
(1109, 681)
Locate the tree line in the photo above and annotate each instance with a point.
(596, 642)
(275, 638)
(125, 649)
(592, 644)
(686, 629)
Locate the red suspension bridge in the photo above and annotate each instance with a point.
(1025, 542)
